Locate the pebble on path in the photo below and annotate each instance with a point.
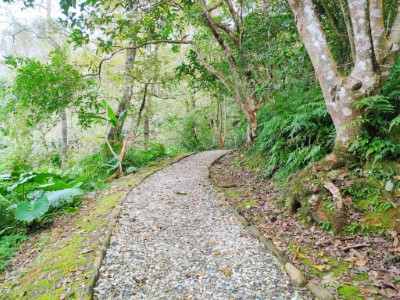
(176, 240)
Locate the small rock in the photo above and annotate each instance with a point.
(253, 231)
(296, 276)
(319, 291)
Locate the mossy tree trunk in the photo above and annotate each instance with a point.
(375, 51)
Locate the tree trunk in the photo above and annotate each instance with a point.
(374, 51)
(115, 132)
(64, 139)
(146, 127)
(250, 111)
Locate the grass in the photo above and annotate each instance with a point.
(65, 256)
(8, 246)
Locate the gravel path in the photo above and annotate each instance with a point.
(175, 240)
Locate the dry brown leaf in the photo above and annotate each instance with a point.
(361, 262)
(226, 271)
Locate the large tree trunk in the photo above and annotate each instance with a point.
(115, 132)
(250, 110)
(374, 53)
(64, 139)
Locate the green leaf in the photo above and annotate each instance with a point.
(55, 197)
(29, 211)
(130, 170)
(389, 186)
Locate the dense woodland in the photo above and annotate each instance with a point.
(308, 92)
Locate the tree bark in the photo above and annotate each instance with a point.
(240, 83)
(132, 132)
(115, 133)
(64, 139)
(374, 53)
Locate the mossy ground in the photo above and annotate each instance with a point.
(312, 246)
(66, 253)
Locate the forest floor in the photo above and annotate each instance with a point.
(357, 266)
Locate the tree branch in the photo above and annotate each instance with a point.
(215, 5)
(363, 45)
(209, 22)
(228, 31)
(349, 29)
(316, 44)
(135, 47)
(235, 17)
(394, 36)
(379, 38)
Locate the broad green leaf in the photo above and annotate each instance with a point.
(56, 197)
(29, 211)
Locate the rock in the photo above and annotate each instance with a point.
(242, 220)
(296, 276)
(319, 291)
(253, 231)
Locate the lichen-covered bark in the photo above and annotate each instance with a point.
(375, 53)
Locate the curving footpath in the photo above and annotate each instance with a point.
(176, 240)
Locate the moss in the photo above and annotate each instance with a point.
(360, 277)
(380, 220)
(339, 268)
(350, 292)
(61, 267)
(233, 193)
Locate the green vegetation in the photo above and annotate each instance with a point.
(112, 87)
(350, 292)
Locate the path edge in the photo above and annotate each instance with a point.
(88, 290)
(297, 277)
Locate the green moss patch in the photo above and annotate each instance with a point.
(350, 292)
(66, 254)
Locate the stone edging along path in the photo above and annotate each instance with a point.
(87, 291)
(297, 277)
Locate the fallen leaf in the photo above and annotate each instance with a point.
(64, 296)
(226, 271)
(300, 255)
(361, 262)
(71, 269)
(320, 268)
(86, 250)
